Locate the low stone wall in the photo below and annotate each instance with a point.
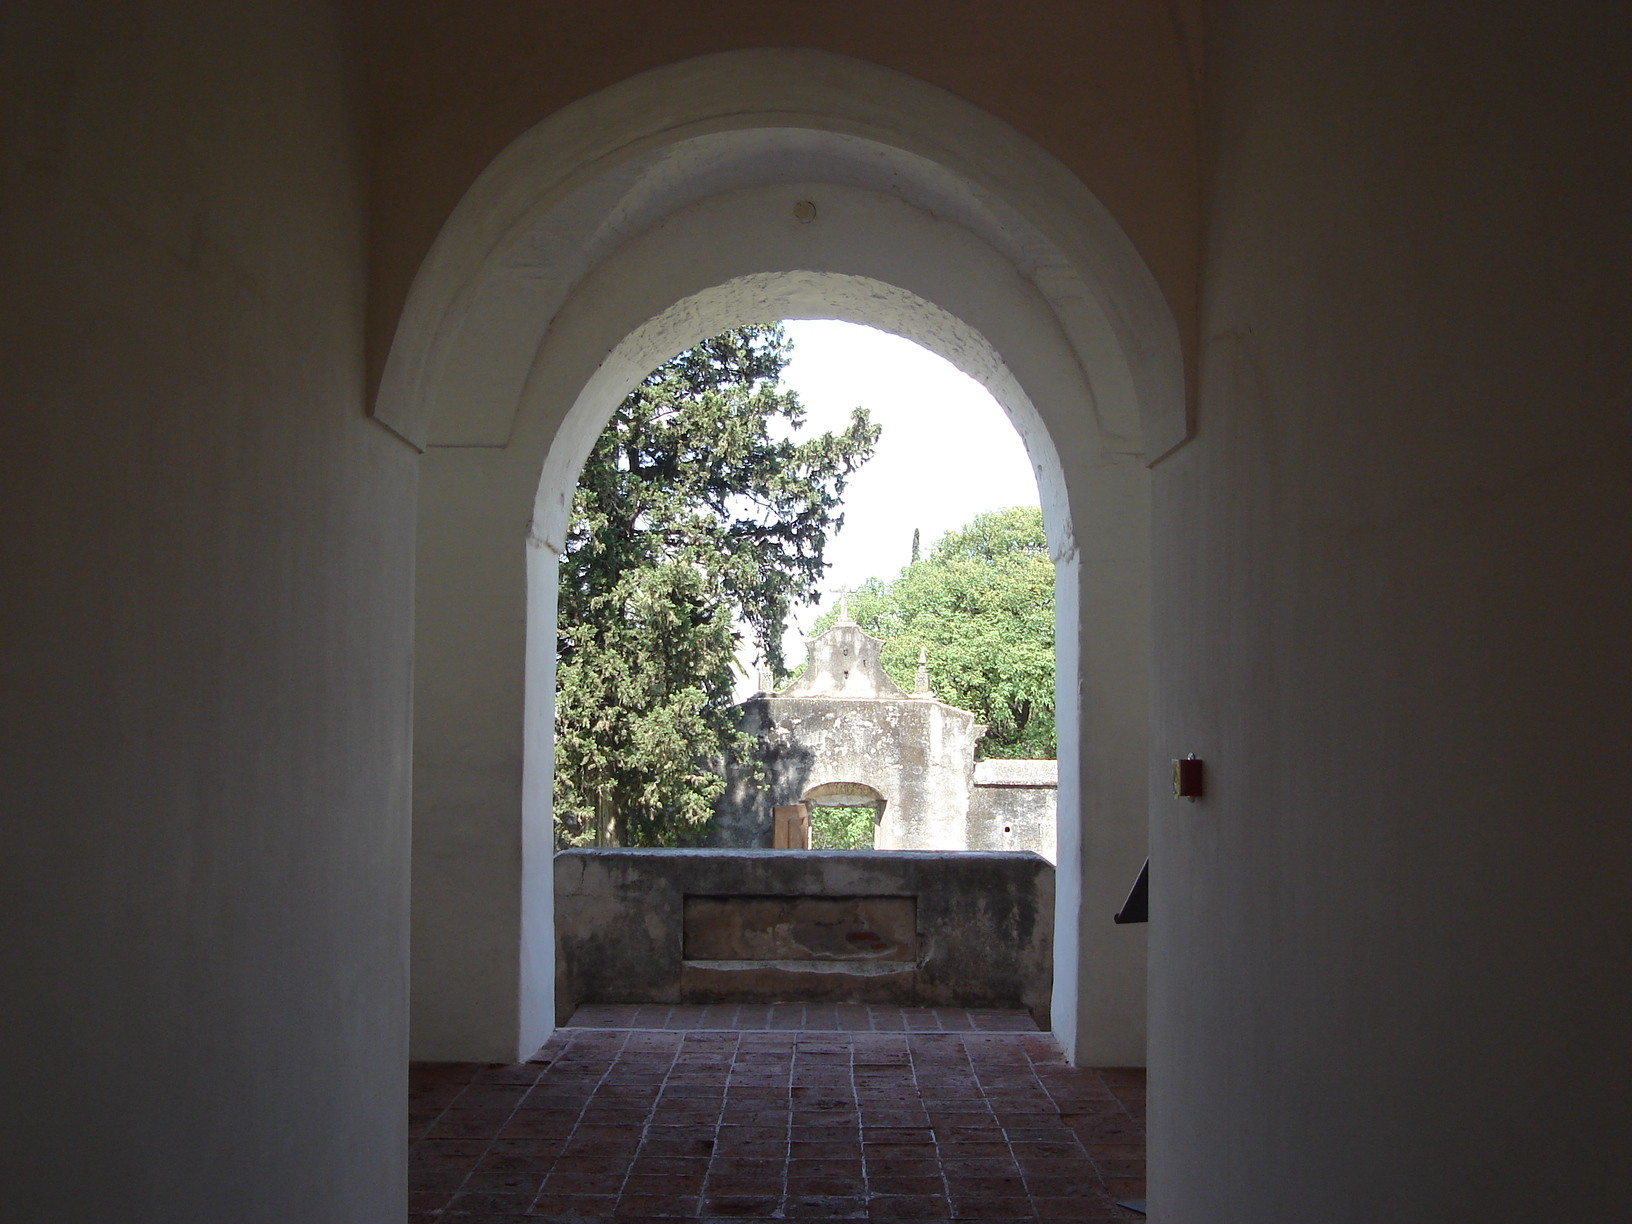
(717, 926)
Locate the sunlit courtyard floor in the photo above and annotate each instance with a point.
(775, 1113)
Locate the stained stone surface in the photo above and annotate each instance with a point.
(800, 928)
(705, 926)
(1012, 806)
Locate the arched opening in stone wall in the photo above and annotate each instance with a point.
(704, 584)
(845, 798)
(722, 191)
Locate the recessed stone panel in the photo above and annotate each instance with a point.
(801, 928)
(857, 926)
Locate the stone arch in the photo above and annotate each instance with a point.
(844, 794)
(727, 190)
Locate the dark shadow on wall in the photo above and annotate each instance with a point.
(774, 772)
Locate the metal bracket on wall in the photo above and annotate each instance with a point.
(1137, 907)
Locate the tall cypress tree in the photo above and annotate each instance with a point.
(696, 521)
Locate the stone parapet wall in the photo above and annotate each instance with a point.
(706, 926)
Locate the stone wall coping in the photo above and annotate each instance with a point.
(1002, 771)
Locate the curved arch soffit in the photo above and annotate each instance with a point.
(843, 794)
(754, 298)
(568, 195)
(744, 258)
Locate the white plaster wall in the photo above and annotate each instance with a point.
(483, 927)
(725, 260)
(1102, 670)
(716, 261)
(205, 609)
(566, 192)
(1390, 947)
(469, 681)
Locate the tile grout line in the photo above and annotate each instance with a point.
(934, 1137)
(646, 1125)
(1009, 1086)
(572, 1131)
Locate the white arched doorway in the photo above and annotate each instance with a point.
(737, 189)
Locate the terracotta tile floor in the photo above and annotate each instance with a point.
(777, 1113)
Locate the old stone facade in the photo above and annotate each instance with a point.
(844, 734)
(1012, 806)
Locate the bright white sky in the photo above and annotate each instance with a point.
(947, 451)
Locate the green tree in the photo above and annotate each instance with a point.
(981, 608)
(696, 521)
(841, 828)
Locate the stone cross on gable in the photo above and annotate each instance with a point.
(843, 592)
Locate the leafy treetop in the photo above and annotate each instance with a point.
(981, 607)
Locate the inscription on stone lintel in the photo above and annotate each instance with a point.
(801, 928)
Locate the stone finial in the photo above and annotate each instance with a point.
(766, 682)
(920, 679)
